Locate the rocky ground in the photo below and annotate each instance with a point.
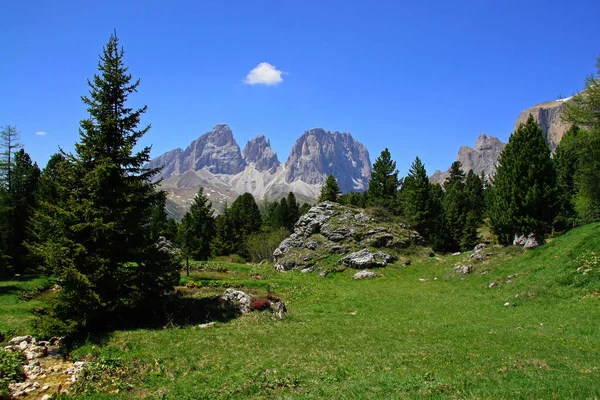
(47, 371)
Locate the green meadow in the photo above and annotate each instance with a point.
(417, 331)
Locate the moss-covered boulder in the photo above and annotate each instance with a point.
(331, 228)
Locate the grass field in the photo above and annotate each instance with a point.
(421, 331)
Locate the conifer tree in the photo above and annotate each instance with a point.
(293, 211)
(197, 229)
(522, 198)
(415, 198)
(475, 205)
(223, 241)
(454, 205)
(566, 162)
(384, 182)
(330, 190)
(96, 239)
(584, 111)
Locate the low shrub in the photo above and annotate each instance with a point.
(259, 304)
(272, 297)
(11, 369)
(109, 375)
(260, 246)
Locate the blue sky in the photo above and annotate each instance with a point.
(421, 78)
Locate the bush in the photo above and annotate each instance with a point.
(109, 375)
(260, 246)
(259, 304)
(587, 272)
(11, 369)
(381, 214)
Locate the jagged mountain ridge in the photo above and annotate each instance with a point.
(481, 159)
(214, 162)
(484, 156)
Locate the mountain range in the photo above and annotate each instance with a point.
(484, 156)
(215, 162)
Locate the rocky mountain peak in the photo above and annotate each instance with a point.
(258, 152)
(319, 153)
(480, 159)
(549, 116)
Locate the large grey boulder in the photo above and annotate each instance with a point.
(238, 299)
(366, 259)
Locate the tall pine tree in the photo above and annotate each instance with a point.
(523, 195)
(197, 229)
(384, 182)
(330, 190)
(96, 239)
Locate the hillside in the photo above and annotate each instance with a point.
(417, 331)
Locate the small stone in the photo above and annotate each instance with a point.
(207, 325)
(46, 397)
(46, 387)
(421, 280)
(36, 384)
(507, 304)
(493, 284)
(18, 339)
(364, 274)
(323, 274)
(456, 254)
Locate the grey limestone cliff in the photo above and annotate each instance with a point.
(548, 115)
(258, 152)
(481, 159)
(319, 153)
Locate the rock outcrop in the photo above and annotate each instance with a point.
(548, 115)
(481, 159)
(331, 228)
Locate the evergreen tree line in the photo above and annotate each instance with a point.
(532, 191)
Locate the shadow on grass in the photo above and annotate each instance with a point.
(8, 290)
(177, 311)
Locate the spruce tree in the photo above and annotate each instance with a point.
(96, 239)
(330, 190)
(197, 229)
(415, 197)
(454, 205)
(293, 212)
(223, 242)
(384, 182)
(522, 198)
(475, 205)
(566, 162)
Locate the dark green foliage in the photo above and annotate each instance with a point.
(293, 211)
(197, 228)
(223, 242)
(260, 246)
(330, 190)
(48, 190)
(245, 215)
(415, 199)
(18, 199)
(11, 369)
(584, 111)
(566, 162)
(523, 196)
(435, 228)
(158, 217)
(454, 205)
(384, 182)
(97, 239)
(304, 209)
(354, 199)
(475, 207)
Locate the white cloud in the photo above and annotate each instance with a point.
(40, 133)
(264, 74)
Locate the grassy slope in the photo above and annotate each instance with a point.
(14, 313)
(393, 337)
